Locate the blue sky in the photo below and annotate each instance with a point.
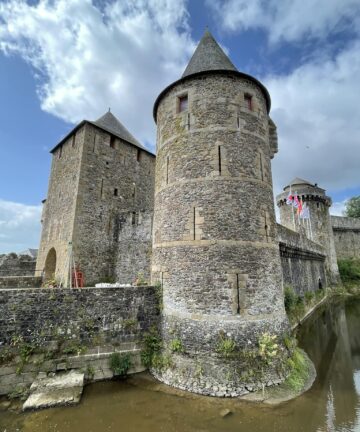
(65, 60)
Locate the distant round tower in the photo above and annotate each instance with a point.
(215, 250)
(319, 228)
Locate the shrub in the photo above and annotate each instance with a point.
(290, 298)
(349, 270)
(268, 347)
(176, 346)
(120, 363)
(226, 346)
(151, 345)
(309, 295)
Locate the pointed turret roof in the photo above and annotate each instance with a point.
(299, 181)
(111, 124)
(208, 56)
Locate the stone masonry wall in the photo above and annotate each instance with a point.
(134, 246)
(347, 236)
(71, 329)
(112, 181)
(302, 261)
(59, 208)
(91, 316)
(17, 265)
(20, 281)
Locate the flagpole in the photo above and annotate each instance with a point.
(311, 234)
(292, 211)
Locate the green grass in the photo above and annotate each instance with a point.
(299, 371)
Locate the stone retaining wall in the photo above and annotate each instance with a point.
(44, 330)
(347, 236)
(20, 282)
(302, 261)
(17, 265)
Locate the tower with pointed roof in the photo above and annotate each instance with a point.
(99, 205)
(319, 228)
(215, 250)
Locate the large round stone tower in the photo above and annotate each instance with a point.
(319, 227)
(215, 250)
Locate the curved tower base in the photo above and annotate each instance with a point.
(220, 360)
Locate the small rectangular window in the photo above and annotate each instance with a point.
(248, 101)
(115, 192)
(73, 141)
(112, 141)
(60, 152)
(182, 103)
(133, 218)
(138, 155)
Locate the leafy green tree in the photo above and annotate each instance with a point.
(352, 207)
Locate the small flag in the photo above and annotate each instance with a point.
(300, 206)
(296, 202)
(289, 199)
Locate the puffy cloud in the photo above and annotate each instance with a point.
(338, 208)
(119, 54)
(288, 20)
(316, 109)
(19, 226)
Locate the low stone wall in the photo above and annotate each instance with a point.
(20, 282)
(17, 265)
(44, 330)
(302, 261)
(347, 236)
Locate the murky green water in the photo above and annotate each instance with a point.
(332, 339)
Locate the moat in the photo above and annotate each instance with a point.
(330, 337)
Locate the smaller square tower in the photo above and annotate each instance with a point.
(101, 184)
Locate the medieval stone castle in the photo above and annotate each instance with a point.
(198, 219)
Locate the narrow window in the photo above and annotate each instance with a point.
(238, 122)
(248, 101)
(182, 103)
(219, 157)
(101, 188)
(94, 143)
(133, 218)
(115, 192)
(194, 223)
(112, 141)
(134, 191)
(73, 141)
(261, 167)
(138, 155)
(60, 152)
(237, 294)
(188, 121)
(167, 169)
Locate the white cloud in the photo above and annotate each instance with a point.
(288, 20)
(121, 55)
(317, 111)
(19, 226)
(338, 208)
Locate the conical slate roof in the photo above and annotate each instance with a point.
(208, 56)
(112, 125)
(299, 181)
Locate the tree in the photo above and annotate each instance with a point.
(352, 207)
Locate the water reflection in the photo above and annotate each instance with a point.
(332, 339)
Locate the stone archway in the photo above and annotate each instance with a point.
(50, 265)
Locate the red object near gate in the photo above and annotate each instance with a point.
(77, 279)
